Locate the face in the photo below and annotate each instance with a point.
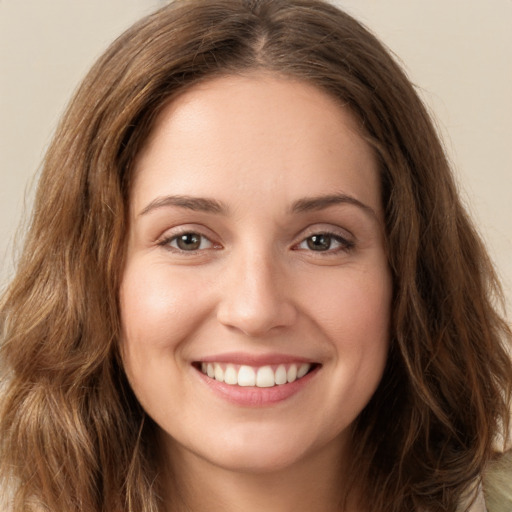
(255, 298)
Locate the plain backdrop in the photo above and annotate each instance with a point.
(457, 52)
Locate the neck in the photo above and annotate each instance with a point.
(314, 484)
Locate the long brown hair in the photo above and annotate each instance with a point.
(72, 435)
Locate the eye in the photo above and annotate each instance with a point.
(187, 242)
(325, 242)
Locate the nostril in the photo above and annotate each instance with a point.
(257, 320)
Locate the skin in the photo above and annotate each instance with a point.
(258, 144)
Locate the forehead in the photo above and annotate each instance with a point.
(256, 132)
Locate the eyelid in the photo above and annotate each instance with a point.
(344, 243)
(203, 240)
(325, 226)
(173, 233)
(342, 236)
(327, 229)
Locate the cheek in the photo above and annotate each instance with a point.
(353, 314)
(353, 308)
(158, 306)
(160, 309)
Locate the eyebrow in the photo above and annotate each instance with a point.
(198, 204)
(203, 204)
(310, 204)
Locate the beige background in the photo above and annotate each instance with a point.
(458, 52)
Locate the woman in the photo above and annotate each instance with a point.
(249, 283)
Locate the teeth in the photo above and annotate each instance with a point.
(265, 377)
(302, 370)
(262, 377)
(292, 373)
(230, 375)
(246, 376)
(280, 377)
(219, 372)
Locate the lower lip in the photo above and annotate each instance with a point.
(252, 396)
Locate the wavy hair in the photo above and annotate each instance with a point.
(72, 435)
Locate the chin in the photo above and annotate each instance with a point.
(255, 450)
(256, 461)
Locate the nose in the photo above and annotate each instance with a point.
(256, 296)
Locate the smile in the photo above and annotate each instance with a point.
(256, 381)
(262, 377)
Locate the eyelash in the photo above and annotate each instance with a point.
(344, 244)
(167, 241)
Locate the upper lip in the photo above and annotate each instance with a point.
(254, 359)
